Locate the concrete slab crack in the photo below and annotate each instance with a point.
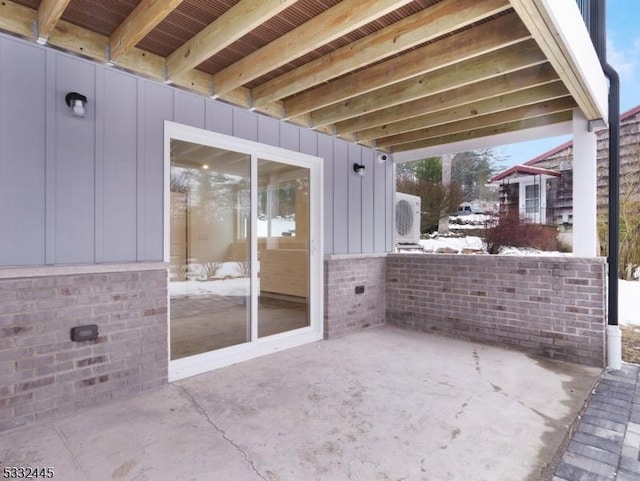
(221, 431)
(67, 446)
(476, 358)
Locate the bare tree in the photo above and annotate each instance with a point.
(443, 224)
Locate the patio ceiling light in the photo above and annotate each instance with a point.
(76, 103)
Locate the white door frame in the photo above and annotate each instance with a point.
(200, 363)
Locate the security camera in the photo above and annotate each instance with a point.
(382, 158)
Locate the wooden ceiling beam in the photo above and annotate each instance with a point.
(535, 17)
(17, 19)
(492, 35)
(138, 24)
(540, 93)
(236, 22)
(480, 121)
(72, 38)
(511, 82)
(424, 26)
(509, 59)
(345, 17)
(488, 131)
(49, 13)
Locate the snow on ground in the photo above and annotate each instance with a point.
(629, 302)
(469, 221)
(530, 251)
(227, 287)
(457, 243)
(474, 243)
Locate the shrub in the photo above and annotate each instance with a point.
(511, 231)
(209, 269)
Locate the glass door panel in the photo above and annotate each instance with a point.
(209, 248)
(283, 247)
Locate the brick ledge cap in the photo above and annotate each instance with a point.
(339, 257)
(65, 270)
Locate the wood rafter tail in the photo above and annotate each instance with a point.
(89, 44)
(429, 24)
(479, 122)
(493, 64)
(329, 25)
(535, 17)
(491, 35)
(49, 13)
(239, 20)
(488, 131)
(533, 95)
(512, 82)
(138, 24)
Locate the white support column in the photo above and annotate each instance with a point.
(585, 183)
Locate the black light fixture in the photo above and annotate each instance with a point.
(77, 103)
(84, 333)
(359, 168)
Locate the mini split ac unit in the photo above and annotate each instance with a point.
(407, 219)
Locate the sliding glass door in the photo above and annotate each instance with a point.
(241, 223)
(283, 247)
(210, 280)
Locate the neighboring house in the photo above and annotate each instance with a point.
(541, 189)
(186, 185)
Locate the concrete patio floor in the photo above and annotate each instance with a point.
(384, 404)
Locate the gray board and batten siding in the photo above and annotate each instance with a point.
(90, 190)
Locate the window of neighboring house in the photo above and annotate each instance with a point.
(532, 198)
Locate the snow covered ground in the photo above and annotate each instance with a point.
(629, 302)
(457, 243)
(470, 221)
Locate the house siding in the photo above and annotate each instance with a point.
(83, 228)
(90, 190)
(629, 166)
(629, 161)
(23, 183)
(552, 306)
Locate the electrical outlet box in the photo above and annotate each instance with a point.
(359, 289)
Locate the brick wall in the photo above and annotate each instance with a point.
(43, 373)
(344, 310)
(552, 306)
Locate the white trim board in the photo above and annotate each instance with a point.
(200, 363)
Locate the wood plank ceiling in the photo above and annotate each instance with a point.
(390, 74)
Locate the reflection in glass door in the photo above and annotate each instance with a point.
(210, 278)
(242, 239)
(283, 247)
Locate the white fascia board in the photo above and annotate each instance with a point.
(553, 130)
(533, 179)
(524, 179)
(573, 33)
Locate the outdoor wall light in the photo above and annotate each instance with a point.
(359, 169)
(77, 103)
